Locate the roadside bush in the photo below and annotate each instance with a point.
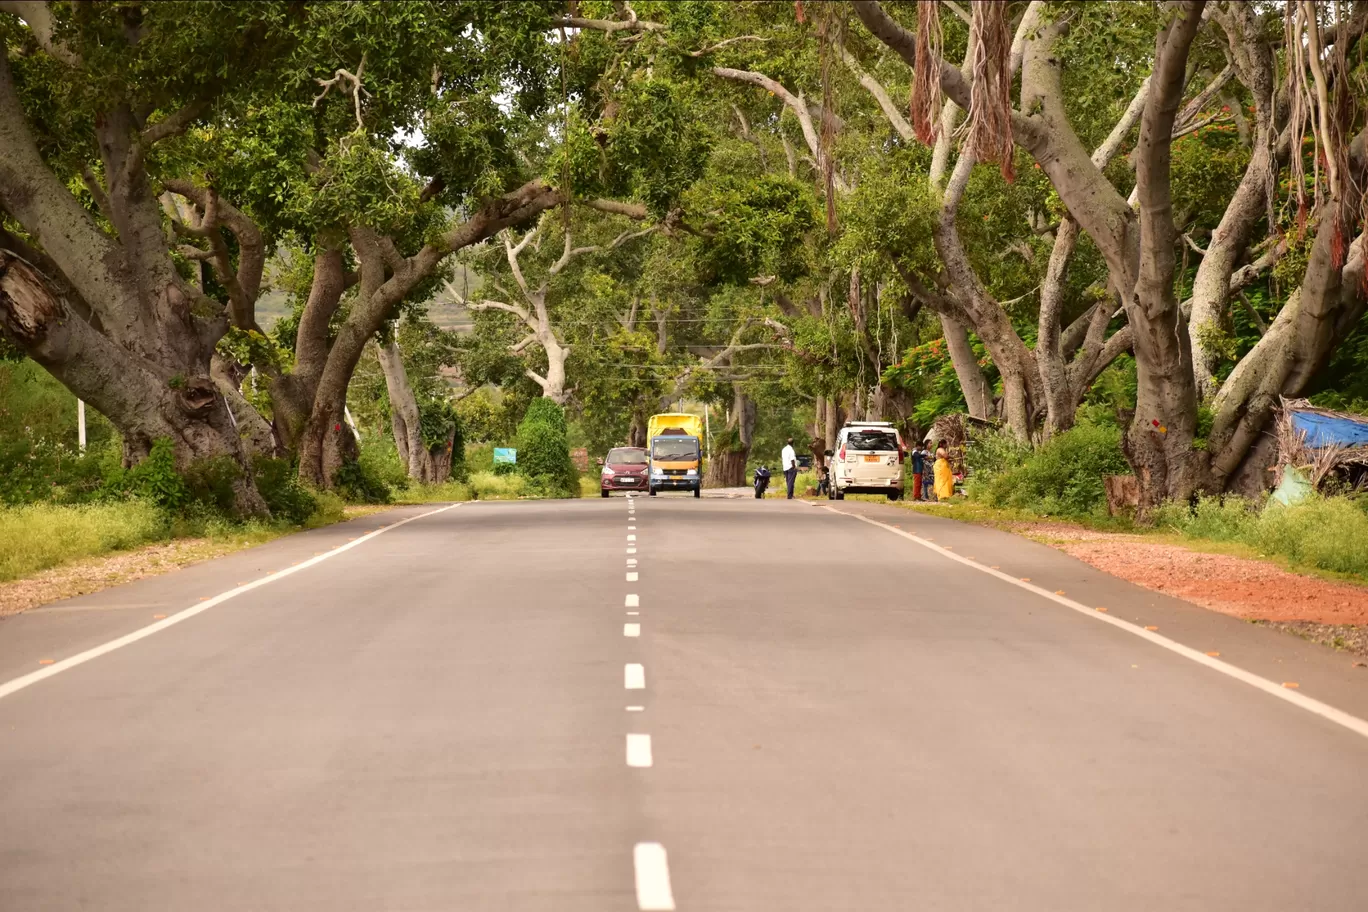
(155, 479)
(356, 483)
(1062, 477)
(1213, 518)
(988, 455)
(38, 536)
(488, 486)
(286, 496)
(544, 453)
(380, 461)
(1328, 533)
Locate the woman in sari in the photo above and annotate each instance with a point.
(945, 478)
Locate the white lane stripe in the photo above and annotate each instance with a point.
(631, 538)
(632, 601)
(1324, 710)
(652, 878)
(634, 677)
(633, 613)
(636, 709)
(19, 683)
(639, 751)
(632, 577)
(631, 528)
(631, 630)
(631, 550)
(631, 561)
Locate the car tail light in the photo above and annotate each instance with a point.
(842, 454)
(902, 455)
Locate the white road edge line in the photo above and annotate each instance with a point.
(639, 751)
(634, 676)
(19, 683)
(652, 878)
(1324, 710)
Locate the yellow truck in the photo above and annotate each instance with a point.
(675, 443)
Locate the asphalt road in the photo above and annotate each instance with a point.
(776, 707)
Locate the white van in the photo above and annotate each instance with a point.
(868, 459)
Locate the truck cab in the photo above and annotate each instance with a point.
(675, 444)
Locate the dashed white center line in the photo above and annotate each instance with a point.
(634, 676)
(632, 576)
(636, 709)
(633, 601)
(631, 538)
(633, 613)
(652, 878)
(631, 550)
(631, 528)
(639, 751)
(631, 630)
(631, 561)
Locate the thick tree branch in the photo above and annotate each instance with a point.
(37, 14)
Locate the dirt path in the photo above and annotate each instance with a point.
(1323, 610)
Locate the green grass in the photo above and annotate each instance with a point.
(39, 536)
(36, 537)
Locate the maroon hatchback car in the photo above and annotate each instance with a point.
(624, 469)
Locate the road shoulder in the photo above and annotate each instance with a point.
(1333, 676)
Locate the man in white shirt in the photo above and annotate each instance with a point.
(789, 460)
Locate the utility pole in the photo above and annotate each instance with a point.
(80, 424)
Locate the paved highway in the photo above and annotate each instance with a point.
(663, 703)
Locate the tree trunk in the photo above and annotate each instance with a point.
(422, 461)
(977, 396)
(727, 469)
(142, 405)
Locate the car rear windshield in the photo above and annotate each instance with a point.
(872, 441)
(626, 457)
(683, 448)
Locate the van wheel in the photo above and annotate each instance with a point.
(895, 494)
(838, 494)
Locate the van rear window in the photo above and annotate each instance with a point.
(872, 441)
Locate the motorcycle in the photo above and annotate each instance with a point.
(762, 477)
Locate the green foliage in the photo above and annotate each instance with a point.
(156, 480)
(544, 453)
(760, 227)
(277, 480)
(1327, 533)
(358, 484)
(1061, 478)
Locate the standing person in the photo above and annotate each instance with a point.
(789, 460)
(927, 464)
(918, 465)
(945, 478)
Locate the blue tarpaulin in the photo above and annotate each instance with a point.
(1327, 430)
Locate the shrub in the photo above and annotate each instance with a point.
(543, 452)
(988, 455)
(356, 484)
(1329, 533)
(1214, 518)
(1063, 476)
(286, 496)
(488, 486)
(155, 478)
(380, 461)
